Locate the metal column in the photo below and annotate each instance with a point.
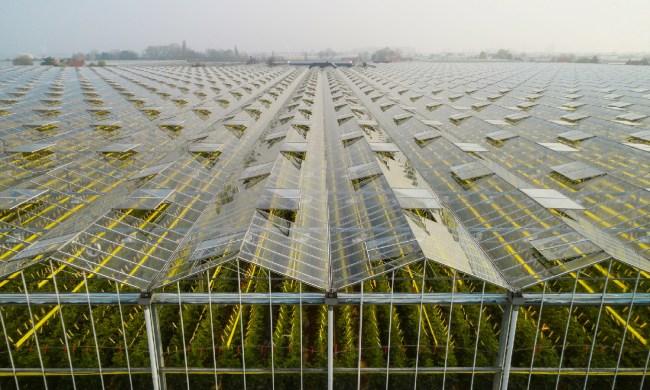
(152, 347)
(510, 346)
(330, 300)
(155, 321)
(507, 341)
(503, 340)
(330, 347)
(145, 301)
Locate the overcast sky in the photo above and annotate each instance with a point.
(60, 27)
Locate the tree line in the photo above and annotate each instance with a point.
(168, 52)
(172, 51)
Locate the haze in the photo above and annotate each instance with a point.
(64, 26)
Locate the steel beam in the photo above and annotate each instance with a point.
(533, 299)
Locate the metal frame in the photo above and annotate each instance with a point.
(502, 370)
(311, 298)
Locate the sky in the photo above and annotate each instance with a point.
(61, 27)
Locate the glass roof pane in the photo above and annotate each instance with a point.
(577, 171)
(643, 135)
(471, 171)
(364, 170)
(574, 135)
(154, 170)
(551, 199)
(118, 148)
(558, 147)
(30, 148)
(257, 170)
(205, 147)
(427, 135)
(501, 135)
(15, 197)
(299, 147)
(383, 147)
(416, 198)
(146, 199)
(470, 147)
(44, 246)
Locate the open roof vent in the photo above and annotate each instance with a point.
(15, 200)
(301, 127)
(401, 118)
(207, 153)
(256, 173)
(470, 172)
(362, 174)
(296, 152)
(576, 172)
(143, 203)
(551, 199)
(120, 150)
(574, 136)
(498, 137)
(425, 137)
(351, 137)
(280, 206)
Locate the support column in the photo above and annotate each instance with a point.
(330, 347)
(152, 349)
(330, 300)
(503, 340)
(145, 301)
(507, 341)
(155, 320)
(510, 347)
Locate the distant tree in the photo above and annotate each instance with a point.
(165, 52)
(364, 56)
(128, 55)
(271, 60)
(172, 52)
(503, 54)
(78, 57)
(643, 61)
(51, 61)
(101, 63)
(565, 58)
(24, 59)
(224, 55)
(384, 54)
(482, 56)
(327, 54)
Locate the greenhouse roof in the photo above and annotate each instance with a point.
(328, 176)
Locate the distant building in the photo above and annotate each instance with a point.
(399, 59)
(354, 60)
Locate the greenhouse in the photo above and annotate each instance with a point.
(401, 225)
